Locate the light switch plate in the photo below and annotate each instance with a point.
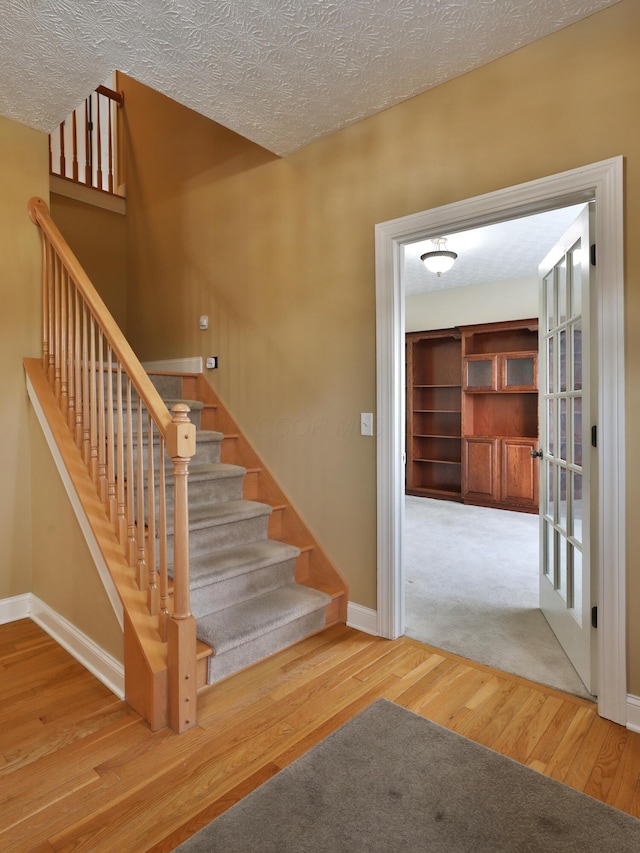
(366, 423)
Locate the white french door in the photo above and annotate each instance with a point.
(566, 464)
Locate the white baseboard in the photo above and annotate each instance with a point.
(176, 365)
(633, 713)
(17, 607)
(362, 618)
(99, 663)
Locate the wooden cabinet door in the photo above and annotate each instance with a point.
(518, 372)
(519, 472)
(480, 373)
(481, 474)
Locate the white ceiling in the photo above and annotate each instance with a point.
(279, 72)
(501, 252)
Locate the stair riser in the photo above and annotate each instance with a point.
(167, 386)
(223, 593)
(221, 665)
(223, 536)
(207, 453)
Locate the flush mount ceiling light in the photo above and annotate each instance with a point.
(440, 259)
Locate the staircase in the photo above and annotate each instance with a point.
(244, 594)
(210, 578)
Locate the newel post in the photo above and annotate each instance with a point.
(181, 626)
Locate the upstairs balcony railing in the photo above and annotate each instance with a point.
(84, 148)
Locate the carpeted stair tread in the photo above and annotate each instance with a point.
(256, 617)
(224, 513)
(242, 559)
(214, 471)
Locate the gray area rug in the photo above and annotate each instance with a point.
(389, 780)
(471, 587)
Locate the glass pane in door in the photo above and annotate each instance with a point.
(576, 574)
(550, 301)
(562, 568)
(576, 284)
(576, 506)
(548, 550)
(576, 350)
(551, 427)
(576, 431)
(562, 293)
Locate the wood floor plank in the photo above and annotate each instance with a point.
(480, 717)
(624, 793)
(511, 736)
(544, 750)
(84, 773)
(537, 726)
(607, 763)
(570, 744)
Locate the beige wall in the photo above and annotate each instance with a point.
(42, 548)
(483, 303)
(23, 173)
(280, 252)
(64, 574)
(98, 239)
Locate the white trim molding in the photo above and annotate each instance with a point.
(88, 195)
(633, 713)
(14, 608)
(362, 618)
(102, 665)
(192, 364)
(603, 182)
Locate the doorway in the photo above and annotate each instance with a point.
(471, 568)
(602, 181)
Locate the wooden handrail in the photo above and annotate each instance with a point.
(108, 399)
(39, 215)
(118, 97)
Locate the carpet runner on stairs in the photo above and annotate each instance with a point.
(244, 595)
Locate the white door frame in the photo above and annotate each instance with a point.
(604, 182)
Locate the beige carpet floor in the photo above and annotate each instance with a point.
(471, 587)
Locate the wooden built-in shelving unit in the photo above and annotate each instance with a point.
(434, 414)
(472, 414)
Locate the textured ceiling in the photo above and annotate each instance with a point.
(501, 252)
(280, 72)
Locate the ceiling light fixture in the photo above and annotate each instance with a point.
(440, 259)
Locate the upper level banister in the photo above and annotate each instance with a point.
(118, 97)
(39, 215)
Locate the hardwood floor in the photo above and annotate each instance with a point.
(80, 771)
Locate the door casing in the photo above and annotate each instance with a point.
(602, 182)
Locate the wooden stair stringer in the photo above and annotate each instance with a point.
(314, 568)
(145, 655)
